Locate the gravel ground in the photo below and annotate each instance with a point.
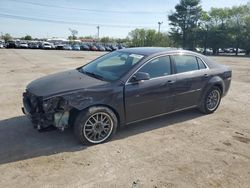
(185, 149)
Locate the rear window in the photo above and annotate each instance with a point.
(185, 63)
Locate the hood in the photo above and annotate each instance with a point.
(62, 82)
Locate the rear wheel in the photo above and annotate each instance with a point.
(95, 125)
(211, 101)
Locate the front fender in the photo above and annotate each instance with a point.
(110, 98)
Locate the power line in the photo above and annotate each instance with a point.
(17, 17)
(90, 10)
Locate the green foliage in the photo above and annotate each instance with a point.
(225, 28)
(184, 22)
(107, 40)
(217, 28)
(71, 38)
(6, 37)
(73, 35)
(148, 37)
(27, 37)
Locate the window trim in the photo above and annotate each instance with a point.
(148, 61)
(195, 56)
(173, 67)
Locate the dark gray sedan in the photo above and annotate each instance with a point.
(123, 87)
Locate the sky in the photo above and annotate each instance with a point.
(54, 18)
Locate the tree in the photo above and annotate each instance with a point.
(203, 30)
(238, 15)
(148, 37)
(184, 23)
(245, 42)
(27, 37)
(73, 35)
(107, 40)
(218, 35)
(6, 37)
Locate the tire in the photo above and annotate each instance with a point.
(95, 125)
(206, 106)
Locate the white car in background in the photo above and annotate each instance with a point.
(46, 45)
(67, 47)
(23, 45)
(1, 44)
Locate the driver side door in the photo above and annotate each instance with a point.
(152, 97)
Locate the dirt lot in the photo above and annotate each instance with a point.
(185, 149)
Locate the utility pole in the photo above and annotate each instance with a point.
(159, 26)
(98, 31)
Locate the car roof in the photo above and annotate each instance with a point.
(154, 51)
(147, 51)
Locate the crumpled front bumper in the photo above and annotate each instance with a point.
(32, 108)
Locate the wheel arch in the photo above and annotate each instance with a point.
(74, 112)
(217, 82)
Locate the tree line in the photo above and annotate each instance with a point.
(217, 28)
(192, 27)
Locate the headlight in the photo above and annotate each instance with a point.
(54, 104)
(46, 105)
(50, 104)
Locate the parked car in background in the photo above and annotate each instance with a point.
(230, 50)
(124, 87)
(76, 47)
(46, 45)
(2, 44)
(23, 45)
(113, 47)
(199, 50)
(221, 50)
(208, 51)
(93, 47)
(85, 47)
(33, 45)
(241, 50)
(11, 44)
(107, 48)
(100, 48)
(59, 46)
(67, 47)
(120, 46)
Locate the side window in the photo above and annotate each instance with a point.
(185, 63)
(158, 67)
(201, 64)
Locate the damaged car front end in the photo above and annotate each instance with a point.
(46, 112)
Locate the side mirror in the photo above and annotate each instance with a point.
(140, 76)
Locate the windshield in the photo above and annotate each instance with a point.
(112, 66)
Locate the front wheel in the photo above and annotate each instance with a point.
(211, 101)
(95, 125)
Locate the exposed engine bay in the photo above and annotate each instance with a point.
(44, 113)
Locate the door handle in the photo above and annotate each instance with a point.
(171, 81)
(205, 75)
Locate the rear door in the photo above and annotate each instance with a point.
(191, 73)
(154, 96)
